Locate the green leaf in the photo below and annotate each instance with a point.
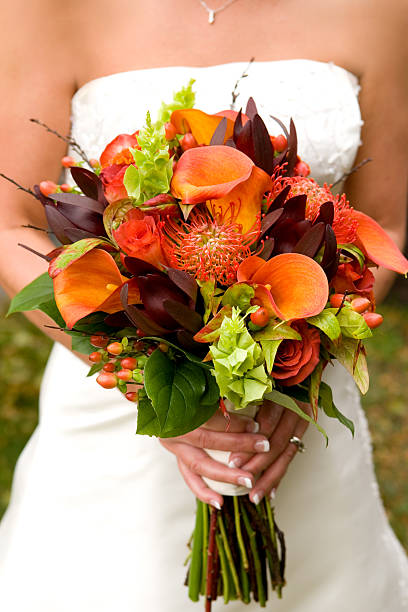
(269, 349)
(176, 389)
(147, 421)
(81, 344)
(287, 402)
(351, 354)
(282, 331)
(353, 324)
(327, 322)
(50, 308)
(211, 296)
(38, 292)
(239, 295)
(211, 332)
(96, 367)
(315, 381)
(329, 407)
(354, 252)
(212, 392)
(72, 253)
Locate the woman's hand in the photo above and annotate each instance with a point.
(194, 462)
(278, 425)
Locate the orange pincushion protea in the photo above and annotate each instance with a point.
(209, 247)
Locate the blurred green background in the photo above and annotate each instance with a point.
(24, 351)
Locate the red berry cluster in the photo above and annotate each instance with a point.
(359, 304)
(123, 364)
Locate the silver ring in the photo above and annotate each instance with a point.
(298, 442)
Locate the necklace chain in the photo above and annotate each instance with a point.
(212, 12)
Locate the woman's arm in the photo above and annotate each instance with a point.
(37, 81)
(380, 188)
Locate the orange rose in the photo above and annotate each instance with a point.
(296, 359)
(139, 237)
(112, 180)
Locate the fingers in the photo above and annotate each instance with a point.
(206, 438)
(201, 464)
(237, 423)
(278, 442)
(199, 488)
(272, 476)
(268, 418)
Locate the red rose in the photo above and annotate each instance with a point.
(118, 151)
(139, 237)
(296, 359)
(112, 179)
(354, 279)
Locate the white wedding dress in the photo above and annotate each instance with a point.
(99, 517)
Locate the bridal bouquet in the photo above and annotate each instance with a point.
(200, 267)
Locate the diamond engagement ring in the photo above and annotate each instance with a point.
(298, 442)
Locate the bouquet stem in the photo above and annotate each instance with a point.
(233, 551)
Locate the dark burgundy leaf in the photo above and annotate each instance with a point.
(186, 317)
(137, 267)
(326, 214)
(89, 183)
(251, 109)
(58, 223)
(186, 340)
(137, 317)
(267, 249)
(184, 281)
(263, 149)
(295, 208)
(279, 201)
(244, 140)
(141, 320)
(330, 249)
(269, 221)
(332, 268)
(43, 199)
(219, 135)
(74, 234)
(83, 218)
(311, 241)
(80, 201)
(154, 291)
(282, 125)
(292, 149)
(117, 319)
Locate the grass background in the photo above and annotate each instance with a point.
(24, 351)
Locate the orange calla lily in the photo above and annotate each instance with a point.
(221, 175)
(201, 125)
(90, 284)
(380, 248)
(297, 284)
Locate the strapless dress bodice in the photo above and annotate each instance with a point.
(322, 98)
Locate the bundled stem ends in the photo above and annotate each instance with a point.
(233, 553)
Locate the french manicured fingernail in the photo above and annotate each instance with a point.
(245, 482)
(273, 494)
(257, 498)
(252, 427)
(262, 446)
(235, 463)
(214, 503)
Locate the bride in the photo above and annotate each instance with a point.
(98, 517)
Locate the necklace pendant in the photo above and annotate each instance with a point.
(211, 16)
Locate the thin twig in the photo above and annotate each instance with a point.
(10, 180)
(46, 257)
(346, 174)
(67, 139)
(235, 92)
(210, 559)
(34, 227)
